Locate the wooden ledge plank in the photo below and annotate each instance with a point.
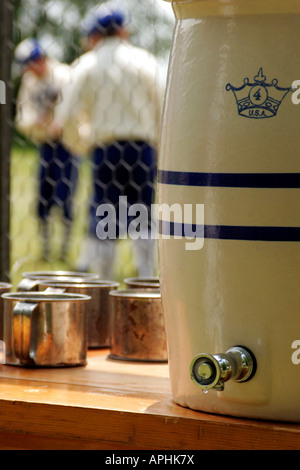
(116, 405)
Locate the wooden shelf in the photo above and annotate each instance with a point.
(116, 405)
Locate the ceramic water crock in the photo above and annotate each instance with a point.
(229, 272)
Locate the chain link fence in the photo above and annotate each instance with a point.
(51, 180)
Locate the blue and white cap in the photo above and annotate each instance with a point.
(104, 19)
(28, 51)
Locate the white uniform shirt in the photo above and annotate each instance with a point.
(39, 99)
(116, 94)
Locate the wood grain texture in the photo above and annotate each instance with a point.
(114, 405)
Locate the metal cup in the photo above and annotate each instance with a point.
(4, 287)
(45, 330)
(98, 310)
(31, 279)
(142, 282)
(138, 332)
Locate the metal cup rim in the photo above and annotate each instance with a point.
(68, 282)
(142, 279)
(137, 293)
(46, 274)
(5, 285)
(36, 296)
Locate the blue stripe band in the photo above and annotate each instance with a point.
(224, 232)
(230, 180)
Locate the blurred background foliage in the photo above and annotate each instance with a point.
(58, 24)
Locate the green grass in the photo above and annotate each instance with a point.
(26, 242)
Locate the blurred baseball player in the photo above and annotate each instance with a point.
(40, 96)
(114, 113)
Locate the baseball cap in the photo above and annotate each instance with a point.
(104, 19)
(28, 51)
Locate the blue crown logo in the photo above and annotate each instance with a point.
(258, 100)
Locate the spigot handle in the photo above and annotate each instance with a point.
(211, 372)
(205, 371)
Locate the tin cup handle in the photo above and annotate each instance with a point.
(2, 352)
(22, 330)
(27, 285)
(55, 290)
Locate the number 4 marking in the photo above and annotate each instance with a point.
(257, 95)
